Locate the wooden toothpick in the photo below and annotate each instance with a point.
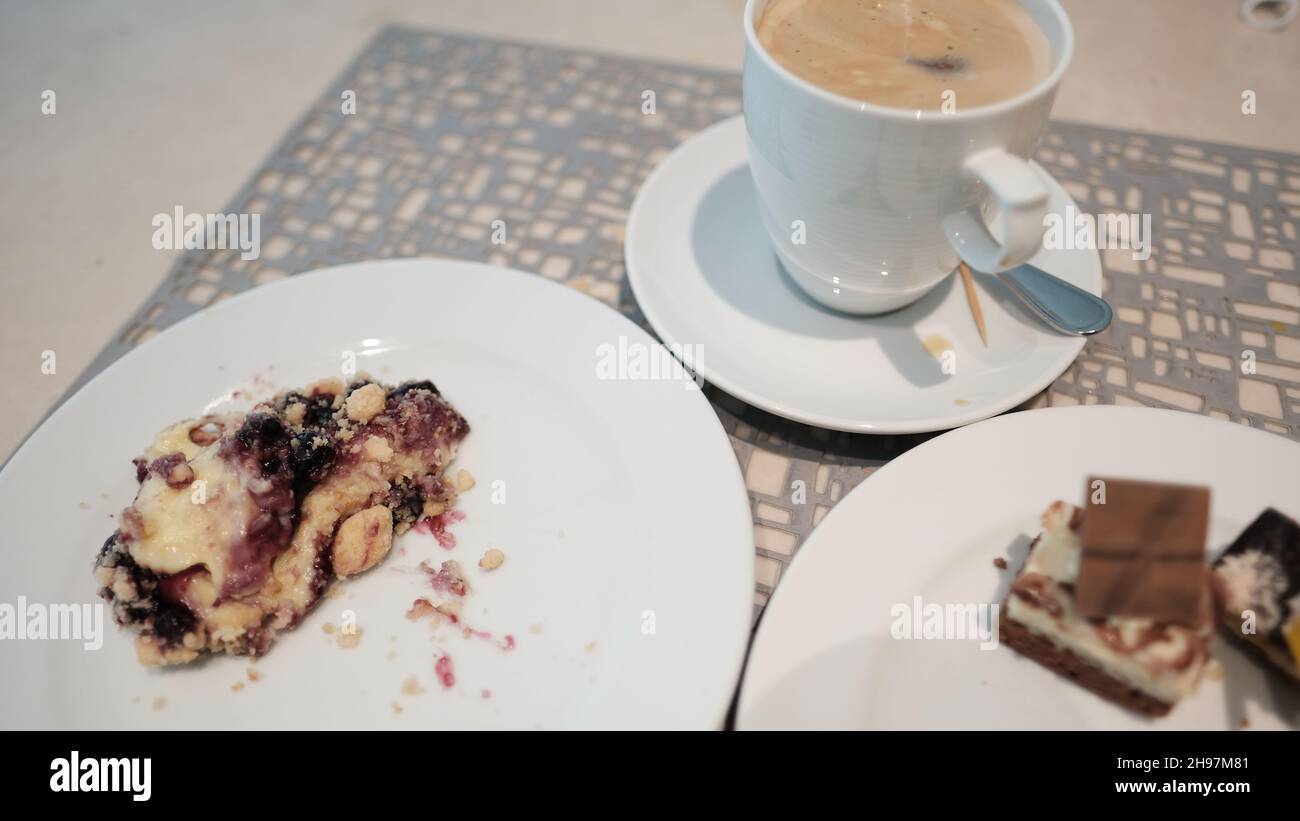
(973, 299)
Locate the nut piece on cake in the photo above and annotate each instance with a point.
(242, 521)
(1138, 662)
(363, 541)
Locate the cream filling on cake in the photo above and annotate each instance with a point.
(180, 437)
(1168, 668)
(180, 527)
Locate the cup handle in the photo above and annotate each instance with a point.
(1022, 200)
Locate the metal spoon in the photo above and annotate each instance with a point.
(1065, 307)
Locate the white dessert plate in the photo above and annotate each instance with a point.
(930, 524)
(628, 579)
(705, 275)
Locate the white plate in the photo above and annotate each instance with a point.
(705, 275)
(930, 524)
(629, 563)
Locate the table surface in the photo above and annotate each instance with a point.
(163, 103)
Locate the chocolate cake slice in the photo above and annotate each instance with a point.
(1136, 662)
(1258, 582)
(242, 521)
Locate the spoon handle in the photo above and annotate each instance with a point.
(1060, 304)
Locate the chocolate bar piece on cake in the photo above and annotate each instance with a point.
(1258, 582)
(1110, 643)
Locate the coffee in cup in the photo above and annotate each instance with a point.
(909, 53)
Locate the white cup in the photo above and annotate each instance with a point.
(868, 207)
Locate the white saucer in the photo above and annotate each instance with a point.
(930, 524)
(705, 275)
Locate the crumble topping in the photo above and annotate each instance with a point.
(378, 449)
(295, 414)
(330, 387)
(366, 403)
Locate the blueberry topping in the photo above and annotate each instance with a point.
(310, 457)
(320, 408)
(414, 385)
(264, 439)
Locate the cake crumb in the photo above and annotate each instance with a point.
(328, 628)
(253, 675)
(349, 640)
(159, 703)
(397, 709)
(1214, 670)
(591, 646)
(535, 629)
(419, 609)
(464, 480)
(492, 559)
(448, 578)
(450, 610)
(1245, 722)
(411, 686)
(1000, 563)
(237, 686)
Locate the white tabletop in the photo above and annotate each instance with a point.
(175, 102)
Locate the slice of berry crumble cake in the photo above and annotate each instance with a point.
(242, 521)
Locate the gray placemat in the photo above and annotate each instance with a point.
(452, 134)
